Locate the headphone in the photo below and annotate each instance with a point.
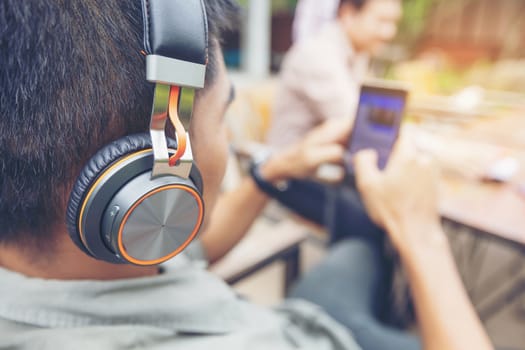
(139, 199)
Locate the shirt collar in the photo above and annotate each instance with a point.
(346, 46)
(351, 56)
(187, 299)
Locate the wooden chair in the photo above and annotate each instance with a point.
(261, 248)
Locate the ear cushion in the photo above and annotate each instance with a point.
(97, 164)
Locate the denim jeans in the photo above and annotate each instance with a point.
(352, 282)
(349, 284)
(338, 208)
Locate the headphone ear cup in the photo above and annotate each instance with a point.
(91, 172)
(123, 168)
(148, 221)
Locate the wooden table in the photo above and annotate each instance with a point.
(493, 208)
(493, 211)
(262, 247)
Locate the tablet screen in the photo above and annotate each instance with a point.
(378, 118)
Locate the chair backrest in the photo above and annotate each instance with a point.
(249, 117)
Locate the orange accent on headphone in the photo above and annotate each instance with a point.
(131, 259)
(180, 133)
(94, 187)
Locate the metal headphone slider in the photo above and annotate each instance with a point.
(161, 154)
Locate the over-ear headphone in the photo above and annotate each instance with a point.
(139, 199)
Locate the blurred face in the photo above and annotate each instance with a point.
(374, 25)
(208, 135)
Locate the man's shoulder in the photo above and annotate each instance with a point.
(295, 322)
(316, 55)
(83, 338)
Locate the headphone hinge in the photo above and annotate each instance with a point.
(161, 153)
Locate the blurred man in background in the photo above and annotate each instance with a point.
(320, 76)
(320, 80)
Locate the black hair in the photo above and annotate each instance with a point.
(72, 79)
(357, 4)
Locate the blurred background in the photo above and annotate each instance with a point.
(473, 41)
(471, 51)
(465, 63)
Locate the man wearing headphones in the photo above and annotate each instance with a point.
(90, 202)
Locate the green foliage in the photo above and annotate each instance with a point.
(283, 5)
(277, 5)
(185, 103)
(415, 15)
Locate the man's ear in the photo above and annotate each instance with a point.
(347, 11)
(347, 14)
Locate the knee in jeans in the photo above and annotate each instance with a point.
(352, 246)
(360, 322)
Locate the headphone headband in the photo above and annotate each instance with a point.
(176, 41)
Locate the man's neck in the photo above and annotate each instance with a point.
(346, 37)
(350, 35)
(66, 262)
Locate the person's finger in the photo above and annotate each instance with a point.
(426, 160)
(365, 167)
(341, 131)
(400, 147)
(331, 153)
(331, 131)
(403, 151)
(429, 165)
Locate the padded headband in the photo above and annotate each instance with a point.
(176, 41)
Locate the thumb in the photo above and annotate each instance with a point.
(331, 131)
(365, 166)
(332, 153)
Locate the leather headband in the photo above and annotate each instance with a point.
(176, 41)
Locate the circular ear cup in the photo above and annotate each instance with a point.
(118, 213)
